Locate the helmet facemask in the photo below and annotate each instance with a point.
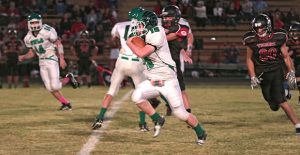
(34, 22)
(139, 28)
(295, 35)
(168, 21)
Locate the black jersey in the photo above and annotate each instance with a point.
(180, 43)
(13, 49)
(84, 48)
(267, 54)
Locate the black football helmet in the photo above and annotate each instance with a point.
(170, 16)
(84, 34)
(262, 25)
(294, 31)
(12, 33)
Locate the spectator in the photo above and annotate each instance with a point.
(60, 6)
(231, 53)
(201, 16)
(259, 6)
(292, 16)
(99, 38)
(77, 26)
(76, 12)
(158, 7)
(65, 23)
(278, 23)
(12, 11)
(231, 16)
(218, 14)
(113, 3)
(247, 10)
(91, 20)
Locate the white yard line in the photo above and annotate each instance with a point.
(89, 146)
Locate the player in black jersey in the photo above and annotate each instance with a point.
(177, 36)
(266, 54)
(84, 48)
(294, 50)
(12, 49)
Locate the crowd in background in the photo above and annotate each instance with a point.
(99, 16)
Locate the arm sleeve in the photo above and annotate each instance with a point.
(53, 35)
(114, 31)
(155, 39)
(27, 43)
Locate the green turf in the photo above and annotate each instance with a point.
(237, 120)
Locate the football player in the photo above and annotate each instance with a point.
(160, 72)
(84, 49)
(266, 53)
(177, 36)
(127, 64)
(42, 40)
(294, 50)
(12, 49)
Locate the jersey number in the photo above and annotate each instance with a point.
(267, 54)
(39, 49)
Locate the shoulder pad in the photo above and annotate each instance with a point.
(250, 35)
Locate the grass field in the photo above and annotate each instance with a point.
(237, 121)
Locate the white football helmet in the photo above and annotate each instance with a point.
(34, 22)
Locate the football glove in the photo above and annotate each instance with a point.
(291, 79)
(255, 81)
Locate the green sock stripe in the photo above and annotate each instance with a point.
(199, 130)
(142, 117)
(155, 116)
(166, 101)
(102, 113)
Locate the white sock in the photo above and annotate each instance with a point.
(297, 125)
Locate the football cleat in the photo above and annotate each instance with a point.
(65, 107)
(157, 126)
(97, 124)
(144, 127)
(201, 139)
(298, 131)
(73, 81)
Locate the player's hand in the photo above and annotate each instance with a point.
(255, 81)
(291, 79)
(62, 63)
(186, 58)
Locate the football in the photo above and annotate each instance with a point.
(138, 41)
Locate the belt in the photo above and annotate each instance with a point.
(49, 58)
(128, 58)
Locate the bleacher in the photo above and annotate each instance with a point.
(213, 38)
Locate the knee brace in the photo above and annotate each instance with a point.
(181, 113)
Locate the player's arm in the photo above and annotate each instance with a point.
(286, 57)
(60, 50)
(171, 36)
(190, 42)
(140, 51)
(250, 63)
(30, 54)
